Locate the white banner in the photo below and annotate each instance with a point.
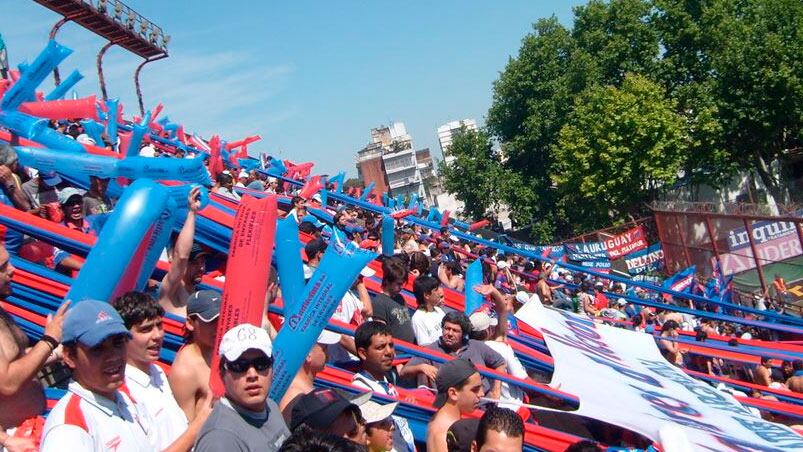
(621, 378)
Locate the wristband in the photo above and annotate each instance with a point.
(50, 341)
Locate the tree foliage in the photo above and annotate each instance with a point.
(720, 79)
(617, 148)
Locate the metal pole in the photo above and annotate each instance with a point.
(136, 82)
(712, 237)
(100, 69)
(683, 242)
(52, 36)
(749, 229)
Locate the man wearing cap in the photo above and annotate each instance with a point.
(71, 200)
(304, 381)
(146, 381)
(273, 185)
(40, 191)
(242, 179)
(459, 392)
(96, 414)
(187, 263)
(492, 331)
(257, 182)
(245, 419)
(189, 376)
(96, 201)
(327, 410)
(21, 395)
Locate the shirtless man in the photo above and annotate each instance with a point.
(795, 383)
(187, 265)
(21, 395)
(303, 383)
(668, 347)
(762, 375)
(459, 392)
(189, 376)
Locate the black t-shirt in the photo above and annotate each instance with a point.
(395, 313)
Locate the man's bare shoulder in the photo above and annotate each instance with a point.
(9, 347)
(189, 362)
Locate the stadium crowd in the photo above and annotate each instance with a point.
(120, 396)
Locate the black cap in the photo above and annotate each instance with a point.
(319, 408)
(314, 247)
(197, 251)
(451, 374)
(461, 434)
(205, 304)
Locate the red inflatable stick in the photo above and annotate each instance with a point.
(182, 137)
(4, 84)
(62, 109)
(445, 218)
(244, 142)
(478, 225)
(403, 213)
(311, 187)
(156, 111)
(248, 271)
(215, 161)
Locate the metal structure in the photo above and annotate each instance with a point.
(116, 22)
(739, 242)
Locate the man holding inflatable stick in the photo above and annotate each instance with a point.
(21, 395)
(186, 266)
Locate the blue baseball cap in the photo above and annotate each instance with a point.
(314, 221)
(51, 178)
(91, 322)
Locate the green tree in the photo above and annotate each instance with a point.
(617, 149)
(759, 89)
(476, 176)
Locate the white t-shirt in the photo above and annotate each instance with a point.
(427, 325)
(85, 421)
(348, 311)
(510, 394)
(153, 392)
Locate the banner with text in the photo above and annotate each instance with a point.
(643, 392)
(625, 243)
(646, 260)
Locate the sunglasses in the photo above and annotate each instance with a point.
(260, 364)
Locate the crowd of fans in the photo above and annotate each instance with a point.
(120, 395)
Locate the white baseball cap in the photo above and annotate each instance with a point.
(244, 337)
(522, 297)
(481, 321)
(375, 412)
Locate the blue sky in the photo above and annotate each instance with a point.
(312, 78)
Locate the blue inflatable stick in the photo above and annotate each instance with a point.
(78, 164)
(36, 129)
(288, 261)
(277, 167)
(324, 196)
(388, 235)
(413, 201)
(124, 249)
(111, 124)
(368, 189)
(93, 129)
(25, 88)
(137, 133)
(473, 278)
(306, 319)
(61, 90)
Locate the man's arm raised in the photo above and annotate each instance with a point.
(181, 250)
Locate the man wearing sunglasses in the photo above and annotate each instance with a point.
(245, 418)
